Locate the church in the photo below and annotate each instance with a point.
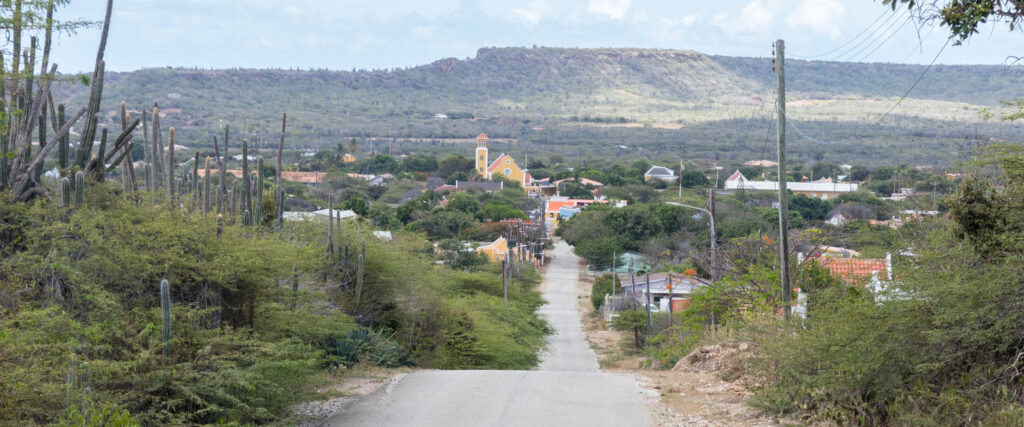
(503, 166)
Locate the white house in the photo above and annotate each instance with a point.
(823, 189)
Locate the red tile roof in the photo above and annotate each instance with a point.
(497, 162)
(854, 269)
(481, 136)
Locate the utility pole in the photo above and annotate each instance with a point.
(680, 179)
(615, 257)
(714, 245)
(504, 277)
(649, 330)
(780, 69)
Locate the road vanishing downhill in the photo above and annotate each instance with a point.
(567, 388)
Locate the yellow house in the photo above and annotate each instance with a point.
(496, 250)
(504, 165)
(348, 158)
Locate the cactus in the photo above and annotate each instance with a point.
(258, 209)
(206, 187)
(149, 177)
(64, 149)
(157, 151)
(194, 185)
(42, 143)
(222, 192)
(169, 171)
(278, 190)
(101, 165)
(165, 309)
(65, 192)
(330, 223)
(79, 189)
(220, 224)
(245, 175)
(359, 278)
(295, 289)
(247, 218)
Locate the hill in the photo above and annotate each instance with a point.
(580, 101)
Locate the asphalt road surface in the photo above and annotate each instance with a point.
(567, 389)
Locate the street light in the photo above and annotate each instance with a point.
(714, 246)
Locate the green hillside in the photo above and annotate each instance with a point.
(581, 101)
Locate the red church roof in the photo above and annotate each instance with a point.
(497, 162)
(481, 136)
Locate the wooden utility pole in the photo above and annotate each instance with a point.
(615, 258)
(649, 330)
(504, 277)
(780, 69)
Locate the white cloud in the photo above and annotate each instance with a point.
(685, 21)
(756, 17)
(823, 16)
(615, 9)
(533, 13)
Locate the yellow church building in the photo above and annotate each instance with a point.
(504, 165)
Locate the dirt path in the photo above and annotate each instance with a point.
(691, 395)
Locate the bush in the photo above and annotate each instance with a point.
(602, 287)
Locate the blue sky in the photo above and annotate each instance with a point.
(346, 34)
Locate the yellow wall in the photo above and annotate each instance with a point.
(515, 173)
(481, 161)
(496, 250)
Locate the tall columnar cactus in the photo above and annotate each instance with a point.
(157, 151)
(330, 224)
(101, 167)
(165, 309)
(220, 224)
(223, 162)
(79, 189)
(295, 289)
(247, 218)
(246, 205)
(65, 192)
(258, 209)
(206, 186)
(148, 170)
(64, 149)
(42, 144)
(360, 272)
(194, 185)
(278, 189)
(169, 170)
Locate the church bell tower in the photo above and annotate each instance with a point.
(481, 155)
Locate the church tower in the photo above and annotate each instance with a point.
(481, 155)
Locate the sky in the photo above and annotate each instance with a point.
(376, 34)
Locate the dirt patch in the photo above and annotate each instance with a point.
(360, 382)
(695, 392)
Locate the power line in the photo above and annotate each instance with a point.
(875, 34)
(919, 78)
(884, 13)
(792, 124)
(905, 22)
(887, 33)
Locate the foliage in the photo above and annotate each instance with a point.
(602, 286)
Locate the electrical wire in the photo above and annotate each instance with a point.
(919, 78)
(884, 13)
(792, 123)
(907, 21)
(886, 34)
(875, 35)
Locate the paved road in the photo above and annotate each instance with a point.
(567, 389)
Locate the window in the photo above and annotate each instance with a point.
(508, 161)
(508, 171)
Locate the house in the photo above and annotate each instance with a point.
(485, 186)
(662, 285)
(626, 261)
(581, 181)
(383, 235)
(837, 220)
(348, 158)
(660, 173)
(856, 271)
(495, 250)
(555, 205)
(566, 212)
(761, 164)
(381, 179)
(822, 189)
(311, 179)
(321, 214)
(504, 165)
